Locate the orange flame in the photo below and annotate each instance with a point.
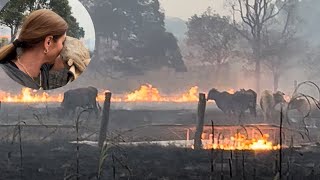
(190, 96)
(5, 36)
(231, 91)
(240, 142)
(287, 98)
(29, 95)
(146, 93)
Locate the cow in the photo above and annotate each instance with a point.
(300, 104)
(223, 100)
(80, 98)
(245, 99)
(236, 103)
(303, 107)
(268, 102)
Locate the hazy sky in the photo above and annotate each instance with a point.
(183, 9)
(85, 21)
(186, 8)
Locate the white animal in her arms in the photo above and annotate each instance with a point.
(76, 55)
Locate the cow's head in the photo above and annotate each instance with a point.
(212, 94)
(279, 97)
(93, 90)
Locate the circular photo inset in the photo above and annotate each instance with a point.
(46, 44)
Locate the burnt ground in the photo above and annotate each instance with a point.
(57, 160)
(47, 153)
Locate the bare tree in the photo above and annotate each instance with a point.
(211, 40)
(281, 43)
(255, 16)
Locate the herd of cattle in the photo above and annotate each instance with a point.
(231, 104)
(237, 103)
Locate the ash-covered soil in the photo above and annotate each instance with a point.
(47, 153)
(58, 160)
(138, 124)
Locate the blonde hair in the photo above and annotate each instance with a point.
(35, 28)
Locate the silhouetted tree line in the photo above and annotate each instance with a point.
(14, 11)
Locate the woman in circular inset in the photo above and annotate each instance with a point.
(35, 52)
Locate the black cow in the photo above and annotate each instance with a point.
(80, 97)
(245, 100)
(223, 100)
(236, 103)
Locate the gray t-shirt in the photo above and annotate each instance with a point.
(20, 77)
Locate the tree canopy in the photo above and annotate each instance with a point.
(13, 13)
(213, 35)
(132, 36)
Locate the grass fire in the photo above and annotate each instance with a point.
(240, 142)
(235, 144)
(146, 93)
(160, 90)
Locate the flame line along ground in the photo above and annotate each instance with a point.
(146, 93)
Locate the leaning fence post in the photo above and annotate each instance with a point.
(104, 119)
(200, 120)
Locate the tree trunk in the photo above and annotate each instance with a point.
(276, 77)
(257, 55)
(258, 76)
(217, 77)
(12, 34)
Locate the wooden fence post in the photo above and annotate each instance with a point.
(104, 119)
(200, 121)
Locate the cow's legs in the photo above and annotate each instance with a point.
(228, 114)
(72, 114)
(269, 115)
(265, 117)
(96, 112)
(66, 113)
(241, 116)
(253, 111)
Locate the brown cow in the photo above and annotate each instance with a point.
(268, 101)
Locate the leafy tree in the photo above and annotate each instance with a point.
(11, 16)
(131, 37)
(14, 11)
(213, 36)
(64, 10)
(255, 17)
